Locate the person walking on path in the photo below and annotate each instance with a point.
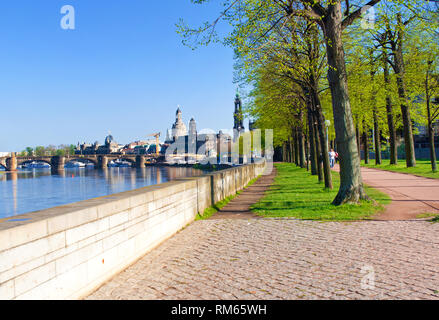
(332, 158)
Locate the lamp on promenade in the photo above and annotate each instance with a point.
(327, 124)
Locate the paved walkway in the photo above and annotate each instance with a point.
(239, 207)
(411, 195)
(257, 258)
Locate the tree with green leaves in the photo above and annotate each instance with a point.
(257, 24)
(432, 105)
(30, 151)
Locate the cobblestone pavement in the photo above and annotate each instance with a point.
(287, 259)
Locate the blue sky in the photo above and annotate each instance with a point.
(123, 69)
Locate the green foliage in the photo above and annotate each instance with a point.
(51, 150)
(281, 50)
(40, 151)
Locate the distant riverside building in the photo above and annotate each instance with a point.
(421, 139)
(422, 143)
(137, 147)
(110, 146)
(189, 141)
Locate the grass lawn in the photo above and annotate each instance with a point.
(423, 168)
(295, 193)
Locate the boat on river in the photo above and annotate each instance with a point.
(75, 164)
(35, 165)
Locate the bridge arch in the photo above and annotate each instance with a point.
(131, 160)
(25, 161)
(3, 166)
(83, 160)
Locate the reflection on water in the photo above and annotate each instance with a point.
(26, 191)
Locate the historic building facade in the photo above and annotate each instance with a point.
(110, 146)
(187, 139)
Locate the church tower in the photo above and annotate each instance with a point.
(178, 128)
(238, 116)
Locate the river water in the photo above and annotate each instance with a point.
(37, 189)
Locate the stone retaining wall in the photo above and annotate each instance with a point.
(66, 252)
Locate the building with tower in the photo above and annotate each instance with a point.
(238, 118)
(110, 146)
(189, 140)
(178, 128)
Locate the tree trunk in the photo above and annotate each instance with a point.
(292, 156)
(376, 127)
(318, 150)
(301, 144)
(322, 137)
(312, 148)
(351, 182)
(284, 152)
(377, 137)
(365, 143)
(432, 148)
(296, 147)
(307, 151)
(430, 124)
(389, 111)
(402, 93)
(357, 135)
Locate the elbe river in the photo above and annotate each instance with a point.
(30, 190)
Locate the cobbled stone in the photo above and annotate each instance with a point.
(286, 259)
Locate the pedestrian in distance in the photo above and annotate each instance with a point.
(332, 156)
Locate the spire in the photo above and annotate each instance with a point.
(238, 116)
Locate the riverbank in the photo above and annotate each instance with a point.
(68, 251)
(43, 188)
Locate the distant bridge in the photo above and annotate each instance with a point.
(11, 163)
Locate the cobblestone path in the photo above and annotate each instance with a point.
(256, 258)
(287, 259)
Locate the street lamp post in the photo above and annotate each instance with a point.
(327, 124)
